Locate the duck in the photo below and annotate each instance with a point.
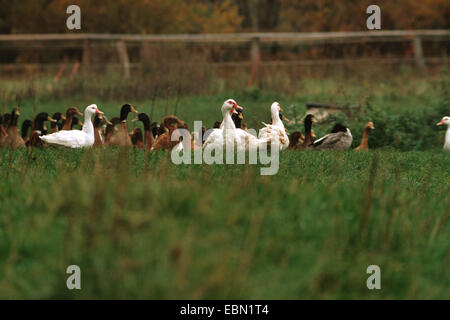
(26, 125)
(170, 123)
(38, 129)
(309, 135)
(340, 138)
(227, 134)
(56, 126)
(149, 127)
(445, 121)
(121, 138)
(296, 138)
(136, 138)
(70, 114)
(14, 140)
(76, 138)
(275, 132)
(364, 145)
(109, 130)
(99, 121)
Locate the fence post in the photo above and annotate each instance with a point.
(123, 56)
(86, 59)
(418, 52)
(255, 56)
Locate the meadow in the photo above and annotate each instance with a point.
(141, 227)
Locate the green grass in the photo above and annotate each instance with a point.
(141, 227)
(224, 231)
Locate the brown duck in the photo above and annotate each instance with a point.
(364, 145)
(121, 138)
(14, 140)
(70, 113)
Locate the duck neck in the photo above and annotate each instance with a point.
(227, 121)
(276, 121)
(68, 123)
(447, 138)
(365, 138)
(88, 127)
(308, 136)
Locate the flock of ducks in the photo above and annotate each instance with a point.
(97, 130)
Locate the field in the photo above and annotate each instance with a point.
(141, 227)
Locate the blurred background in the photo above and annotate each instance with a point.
(166, 46)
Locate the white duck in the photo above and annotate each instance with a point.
(76, 138)
(275, 132)
(446, 121)
(227, 131)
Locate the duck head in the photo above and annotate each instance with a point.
(144, 118)
(91, 110)
(40, 122)
(58, 116)
(339, 127)
(72, 111)
(369, 126)
(445, 121)
(125, 110)
(230, 105)
(14, 116)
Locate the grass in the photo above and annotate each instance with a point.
(201, 232)
(140, 227)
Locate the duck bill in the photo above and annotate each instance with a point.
(238, 107)
(51, 119)
(132, 109)
(79, 113)
(99, 112)
(241, 116)
(63, 117)
(135, 119)
(440, 123)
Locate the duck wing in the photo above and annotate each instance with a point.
(335, 141)
(67, 138)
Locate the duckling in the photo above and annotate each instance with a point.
(56, 126)
(340, 138)
(38, 129)
(295, 138)
(14, 140)
(26, 125)
(364, 145)
(70, 113)
(149, 138)
(136, 138)
(99, 120)
(121, 138)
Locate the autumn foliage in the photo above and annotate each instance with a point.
(207, 16)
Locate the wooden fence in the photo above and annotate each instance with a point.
(254, 41)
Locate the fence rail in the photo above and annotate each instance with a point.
(254, 40)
